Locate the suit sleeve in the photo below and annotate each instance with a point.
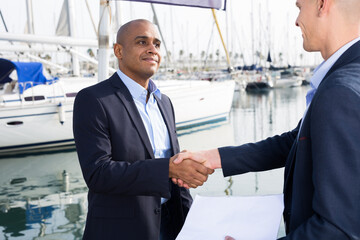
(335, 123)
(102, 174)
(268, 154)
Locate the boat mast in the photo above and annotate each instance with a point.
(71, 19)
(268, 27)
(252, 33)
(222, 40)
(260, 38)
(30, 17)
(118, 15)
(104, 40)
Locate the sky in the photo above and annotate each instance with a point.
(247, 26)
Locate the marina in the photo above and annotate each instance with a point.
(43, 196)
(218, 98)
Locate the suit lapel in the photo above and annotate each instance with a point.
(166, 114)
(125, 96)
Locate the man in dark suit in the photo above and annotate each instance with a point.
(125, 135)
(321, 155)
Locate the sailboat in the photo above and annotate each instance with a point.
(36, 112)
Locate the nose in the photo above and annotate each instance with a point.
(296, 22)
(152, 49)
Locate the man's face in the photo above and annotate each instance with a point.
(308, 22)
(139, 56)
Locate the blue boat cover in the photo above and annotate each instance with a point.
(29, 73)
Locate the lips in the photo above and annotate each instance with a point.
(151, 60)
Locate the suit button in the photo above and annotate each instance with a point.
(157, 211)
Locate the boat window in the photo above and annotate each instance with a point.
(34, 98)
(14, 123)
(72, 94)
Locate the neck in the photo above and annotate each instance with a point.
(141, 80)
(328, 51)
(340, 31)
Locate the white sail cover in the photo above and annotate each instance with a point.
(63, 26)
(216, 4)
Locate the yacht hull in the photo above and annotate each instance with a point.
(35, 128)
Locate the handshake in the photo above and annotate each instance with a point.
(191, 169)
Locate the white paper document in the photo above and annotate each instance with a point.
(243, 218)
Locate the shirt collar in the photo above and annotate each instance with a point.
(324, 67)
(135, 89)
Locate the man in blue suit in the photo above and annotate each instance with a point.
(321, 155)
(125, 135)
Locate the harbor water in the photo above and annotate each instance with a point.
(44, 196)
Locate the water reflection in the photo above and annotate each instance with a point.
(42, 195)
(45, 195)
(58, 215)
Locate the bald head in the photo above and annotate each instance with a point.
(126, 28)
(137, 49)
(349, 9)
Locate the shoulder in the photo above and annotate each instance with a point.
(339, 94)
(165, 98)
(95, 90)
(100, 90)
(166, 101)
(346, 76)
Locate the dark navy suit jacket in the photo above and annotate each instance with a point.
(125, 181)
(322, 166)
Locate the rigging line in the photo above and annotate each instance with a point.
(2, 18)
(91, 17)
(158, 24)
(222, 40)
(208, 47)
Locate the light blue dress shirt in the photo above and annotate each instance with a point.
(151, 116)
(320, 72)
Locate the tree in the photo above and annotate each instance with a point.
(181, 52)
(202, 54)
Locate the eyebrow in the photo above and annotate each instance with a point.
(146, 37)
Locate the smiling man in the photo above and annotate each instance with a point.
(125, 135)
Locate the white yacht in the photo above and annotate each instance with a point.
(36, 113)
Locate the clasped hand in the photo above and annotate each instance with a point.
(191, 169)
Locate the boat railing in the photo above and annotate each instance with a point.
(54, 92)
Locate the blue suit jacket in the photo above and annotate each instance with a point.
(322, 166)
(125, 181)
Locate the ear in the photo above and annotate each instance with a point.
(323, 6)
(118, 50)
